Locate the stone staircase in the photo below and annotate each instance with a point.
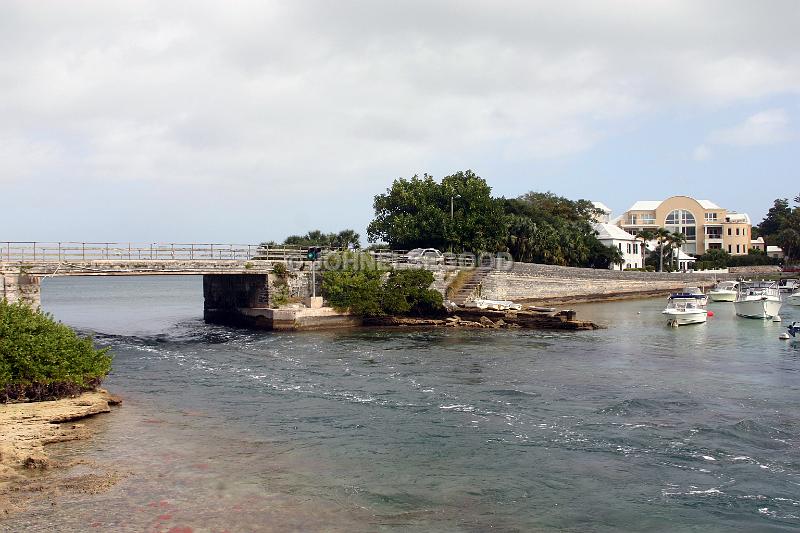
(467, 291)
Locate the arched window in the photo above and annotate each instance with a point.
(680, 217)
(683, 221)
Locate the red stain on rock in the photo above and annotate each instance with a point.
(164, 516)
(201, 466)
(96, 524)
(180, 529)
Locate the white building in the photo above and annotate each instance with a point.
(605, 216)
(630, 246)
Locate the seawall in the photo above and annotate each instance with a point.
(548, 283)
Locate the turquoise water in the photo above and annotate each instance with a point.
(634, 427)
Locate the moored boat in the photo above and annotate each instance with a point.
(758, 300)
(789, 285)
(683, 311)
(794, 298)
(690, 293)
(725, 291)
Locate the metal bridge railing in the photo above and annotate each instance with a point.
(58, 252)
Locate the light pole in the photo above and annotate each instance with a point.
(452, 218)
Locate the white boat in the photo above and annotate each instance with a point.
(794, 298)
(725, 291)
(691, 293)
(758, 300)
(683, 311)
(789, 285)
(496, 305)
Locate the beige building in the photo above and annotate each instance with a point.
(706, 225)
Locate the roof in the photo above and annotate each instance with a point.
(652, 205)
(738, 217)
(645, 205)
(774, 249)
(682, 256)
(760, 240)
(602, 207)
(607, 232)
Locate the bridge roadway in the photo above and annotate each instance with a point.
(24, 264)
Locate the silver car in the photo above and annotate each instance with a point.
(428, 256)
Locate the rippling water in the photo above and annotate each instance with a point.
(638, 426)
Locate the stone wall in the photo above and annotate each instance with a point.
(20, 287)
(524, 281)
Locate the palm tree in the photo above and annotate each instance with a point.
(663, 235)
(677, 240)
(646, 236)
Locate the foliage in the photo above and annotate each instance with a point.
(355, 289)
(359, 286)
(280, 270)
(408, 292)
(781, 227)
(42, 359)
(605, 256)
(344, 239)
(775, 219)
(549, 229)
(280, 293)
(717, 259)
(416, 213)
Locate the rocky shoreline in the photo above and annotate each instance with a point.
(488, 319)
(25, 430)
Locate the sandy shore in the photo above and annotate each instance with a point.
(25, 430)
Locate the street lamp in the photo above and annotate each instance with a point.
(452, 198)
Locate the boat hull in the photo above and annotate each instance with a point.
(763, 308)
(794, 299)
(686, 318)
(722, 296)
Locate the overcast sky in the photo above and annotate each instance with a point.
(247, 121)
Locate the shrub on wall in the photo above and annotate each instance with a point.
(42, 359)
(363, 292)
(408, 292)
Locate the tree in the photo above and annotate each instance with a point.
(416, 213)
(646, 236)
(781, 227)
(789, 240)
(550, 229)
(662, 235)
(677, 240)
(775, 219)
(344, 239)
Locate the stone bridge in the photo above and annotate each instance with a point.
(237, 278)
(240, 280)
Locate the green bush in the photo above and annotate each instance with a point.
(41, 359)
(408, 292)
(363, 291)
(356, 290)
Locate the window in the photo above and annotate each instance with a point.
(636, 247)
(737, 231)
(729, 248)
(629, 247)
(620, 247)
(711, 217)
(737, 248)
(729, 231)
(631, 219)
(680, 217)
